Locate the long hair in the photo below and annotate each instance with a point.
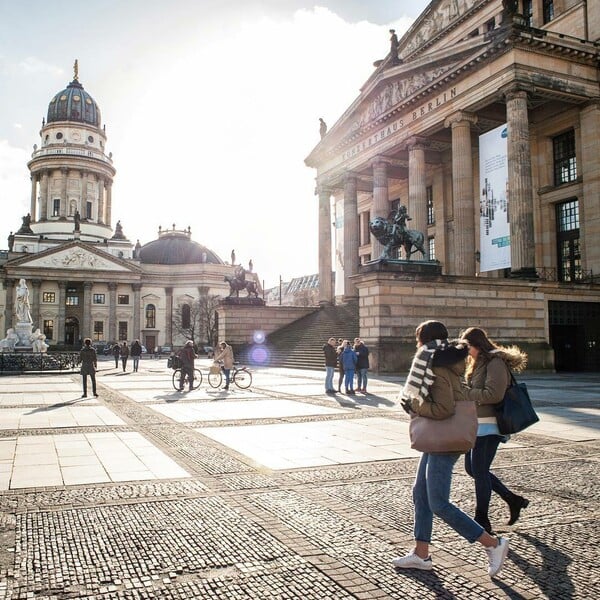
(428, 331)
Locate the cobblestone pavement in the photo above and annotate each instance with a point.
(279, 491)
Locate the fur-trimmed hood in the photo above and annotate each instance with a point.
(513, 356)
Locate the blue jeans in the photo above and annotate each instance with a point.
(477, 464)
(361, 379)
(349, 379)
(136, 362)
(227, 373)
(329, 372)
(431, 495)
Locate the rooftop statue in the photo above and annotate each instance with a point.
(394, 234)
(322, 128)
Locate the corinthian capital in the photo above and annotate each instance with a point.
(460, 117)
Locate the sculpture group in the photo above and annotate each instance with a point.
(239, 282)
(394, 234)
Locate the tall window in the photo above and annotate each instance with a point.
(364, 233)
(123, 299)
(548, 10)
(567, 237)
(56, 207)
(150, 316)
(122, 331)
(185, 316)
(72, 297)
(48, 297)
(88, 210)
(431, 244)
(98, 298)
(528, 12)
(98, 330)
(565, 160)
(49, 328)
(430, 211)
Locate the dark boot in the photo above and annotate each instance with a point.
(515, 504)
(484, 521)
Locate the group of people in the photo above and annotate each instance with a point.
(443, 372)
(187, 356)
(349, 359)
(123, 351)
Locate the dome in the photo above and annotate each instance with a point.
(176, 248)
(74, 104)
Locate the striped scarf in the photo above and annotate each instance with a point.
(421, 376)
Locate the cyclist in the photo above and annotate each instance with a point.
(225, 355)
(187, 355)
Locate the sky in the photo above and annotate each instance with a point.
(210, 107)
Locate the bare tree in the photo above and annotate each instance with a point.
(197, 320)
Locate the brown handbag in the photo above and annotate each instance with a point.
(457, 433)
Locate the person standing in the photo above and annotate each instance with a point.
(136, 352)
(339, 350)
(329, 350)
(89, 364)
(348, 359)
(226, 357)
(362, 365)
(187, 356)
(432, 388)
(124, 350)
(487, 377)
(116, 350)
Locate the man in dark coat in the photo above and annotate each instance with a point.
(362, 365)
(89, 364)
(187, 355)
(329, 349)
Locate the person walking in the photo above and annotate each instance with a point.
(136, 353)
(89, 364)
(339, 350)
(329, 350)
(487, 377)
(362, 365)
(124, 355)
(187, 356)
(116, 350)
(432, 388)
(348, 359)
(226, 356)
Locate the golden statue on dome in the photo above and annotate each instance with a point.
(76, 70)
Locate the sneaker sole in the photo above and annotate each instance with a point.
(425, 567)
(504, 554)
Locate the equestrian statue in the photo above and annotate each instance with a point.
(238, 282)
(394, 234)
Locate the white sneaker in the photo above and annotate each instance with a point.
(496, 556)
(412, 561)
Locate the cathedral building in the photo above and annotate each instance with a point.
(85, 278)
(483, 121)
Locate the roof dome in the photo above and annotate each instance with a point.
(74, 104)
(176, 248)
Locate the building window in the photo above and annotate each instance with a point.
(567, 238)
(490, 25)
(98, 299)
(431, 247)
(565, 161)
(364, 232)
(430, 211)
(56, 207)
(150, 316)
(98, 330)
(48, 297)
(123, 299)
(548, 10)
(122, 331)
(49, 328)
(72, 297)
(394, 205)
(88, 210)
(185, 316)
(528, 12)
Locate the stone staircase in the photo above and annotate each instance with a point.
(299, 345)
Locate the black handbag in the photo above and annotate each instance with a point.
(515, 412)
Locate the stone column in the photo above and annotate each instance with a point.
(136, 311)
(9, 286)
(60, 324)
(83, 200)
(589, 217)
(64, 209)
(462, 193)
(326, 293)
(520, 187)
(112, 311)
(35, 303)
(32, 210)
(381, 201)
(351, 241)
(169, 316)
(417, 190)
(44, 196)
(87, 326)
(108, 188)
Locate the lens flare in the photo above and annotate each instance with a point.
(259, 337)
(259, 355)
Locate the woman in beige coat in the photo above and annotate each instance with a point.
(226, 357)
(488, 376)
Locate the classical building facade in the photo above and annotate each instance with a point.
(418, 135)
(85, 278)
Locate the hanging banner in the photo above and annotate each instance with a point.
(494, 230)
(339, 246)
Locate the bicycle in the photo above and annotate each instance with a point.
(241, 376)
(174, 363)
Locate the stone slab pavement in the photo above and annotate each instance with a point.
(278, 491)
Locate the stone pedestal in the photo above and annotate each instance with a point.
(412, 267)
(246, 301)
(23, 331)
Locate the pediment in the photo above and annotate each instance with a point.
(77, 257)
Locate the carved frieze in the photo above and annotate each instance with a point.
(75, 258)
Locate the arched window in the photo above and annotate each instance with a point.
(185, 316)
(150, 316)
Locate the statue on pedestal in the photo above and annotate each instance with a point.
(394, 234)
(38, 341)
(9, 342)
(238, 282)
(22, 306)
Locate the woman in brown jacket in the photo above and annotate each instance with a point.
(488, 376)
(226, 357)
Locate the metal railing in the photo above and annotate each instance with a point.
(73, 152)
(22, 362)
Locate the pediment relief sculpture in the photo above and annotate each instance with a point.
(79, 258)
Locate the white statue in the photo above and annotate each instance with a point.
(8, 343)
(38, 341)
(22, 307)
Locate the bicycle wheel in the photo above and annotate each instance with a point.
(215, 379)
(176, 378)
(197, 379)
(242, 378)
